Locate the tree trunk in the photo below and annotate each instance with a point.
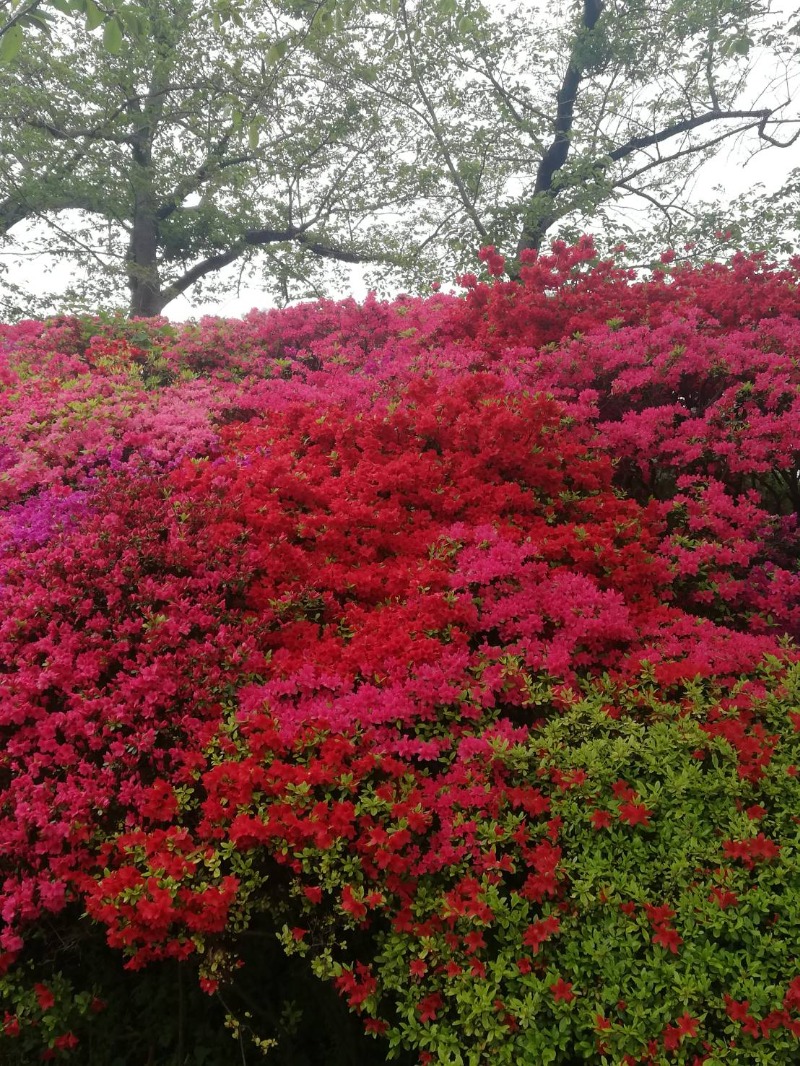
(143, 277)
(142, 259)
(542, 210)
(144, 281)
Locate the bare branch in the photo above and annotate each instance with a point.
(635, 144)
(692, 149)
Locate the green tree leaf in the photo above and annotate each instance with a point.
(10, 43)
(112, 36)
(94, 16)
(277, 50)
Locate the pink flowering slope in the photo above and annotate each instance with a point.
(447, 642)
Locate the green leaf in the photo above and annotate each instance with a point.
(42, 19)
(112, 36)
(253, 134)
(10, 43)
(94, 16)
(277, 50)
(739, 46)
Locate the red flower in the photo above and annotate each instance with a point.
(474, 941)
(538, 932)
(737, 1011)
(66, 1041)
(11, 1025)
(659, 913)
(635, 814)
(668, 938)
(623, 791)
(723, 897)
(671, 1037)
(752, 851)
(600, 819)
(375, 1025)
(44, 996)
(791, 1000)
(562, 990)
(687, 1025)
(351, 904)
(429, 1007)
(553, 827)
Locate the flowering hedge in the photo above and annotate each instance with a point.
(448, 644)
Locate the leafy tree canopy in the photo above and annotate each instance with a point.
(286, 138)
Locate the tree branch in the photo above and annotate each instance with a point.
(437, 131)
(507, 101)
(635, 144)
(95, 134)
(692, 149)
(11, 212)
(257, 238)
(191, 184)
(17, 208)
(19, 16)
(343, 255)
(251, 239)
(556, 155)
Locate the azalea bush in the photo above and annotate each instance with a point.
(425, 669)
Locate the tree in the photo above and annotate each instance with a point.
(197, 145)
(539, 117)
(395, 132)
(17, 16)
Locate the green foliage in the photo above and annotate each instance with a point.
(274, 153)
(737, 923)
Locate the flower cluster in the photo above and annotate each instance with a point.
(449, 641)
